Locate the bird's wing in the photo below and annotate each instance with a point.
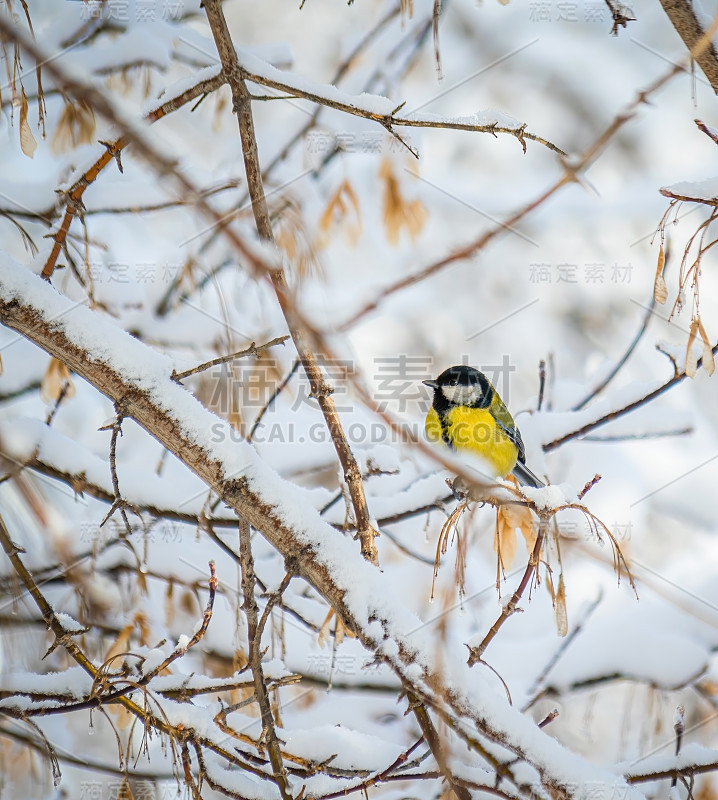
(505, 421)
(515, 436)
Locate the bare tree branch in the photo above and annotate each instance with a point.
(320, 390)
(254, 637)
(162, 408)
(684, 20)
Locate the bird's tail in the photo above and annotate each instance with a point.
(525, 477)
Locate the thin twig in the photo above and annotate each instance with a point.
(273, 598)
(391, 120)
(62, 636)
(542, 384)
(588, 486)
(252, 350)
(73, 196)
(617, 413)
(566, 642)
(640, 437)
(82, 760)
(95, 700)
(451, 700)
(621, 361)
(550, 717)
(118, 502)
(476, 653)
(82, 89)
(62, 394)
(282, 386)
(379, 777)
(711, 133)
(254, 638)
(572, 171)
(343, 68)
(159, 206)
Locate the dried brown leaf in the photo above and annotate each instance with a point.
(123, 717)
(125, 792)
(276, 708)
(342, 212)
(560, 608)
(291, 236)
(339, 631)
(76, 126)
(660, 290)
(303, 698)
(142, 621)
(56, 376)
(220, 108)
(508, 519)
(707, 360)
(399, 213)
(505, 537)
(324, 631)
(691, 357)
(122, 642)
(169, 604)
(706, 790)
(27, 140)
(16, 763)
(188, 602)
(442, 544)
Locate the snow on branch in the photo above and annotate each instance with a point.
(381, 109)
(139, 381)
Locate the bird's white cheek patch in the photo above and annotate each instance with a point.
(462, 395)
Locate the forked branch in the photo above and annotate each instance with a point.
(321, 391)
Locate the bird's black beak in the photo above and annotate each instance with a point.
(431, 384)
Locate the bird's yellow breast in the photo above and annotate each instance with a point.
(474, 430)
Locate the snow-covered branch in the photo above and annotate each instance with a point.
(139, 381)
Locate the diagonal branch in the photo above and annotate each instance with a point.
(254, 637)
(320, 390)
(619, 412)
(73, 196)
(64, 638)
(252, 350)
(107, 357)
(684, 20)
(531, 571)
(573, 170)
(73, 84)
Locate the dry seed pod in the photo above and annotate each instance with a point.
(660, 290)
(691, 357)
(707, 360)
(27, 140)
(56, 376)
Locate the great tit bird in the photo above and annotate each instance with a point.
(468, 415)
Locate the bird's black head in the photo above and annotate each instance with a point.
(462, 386)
